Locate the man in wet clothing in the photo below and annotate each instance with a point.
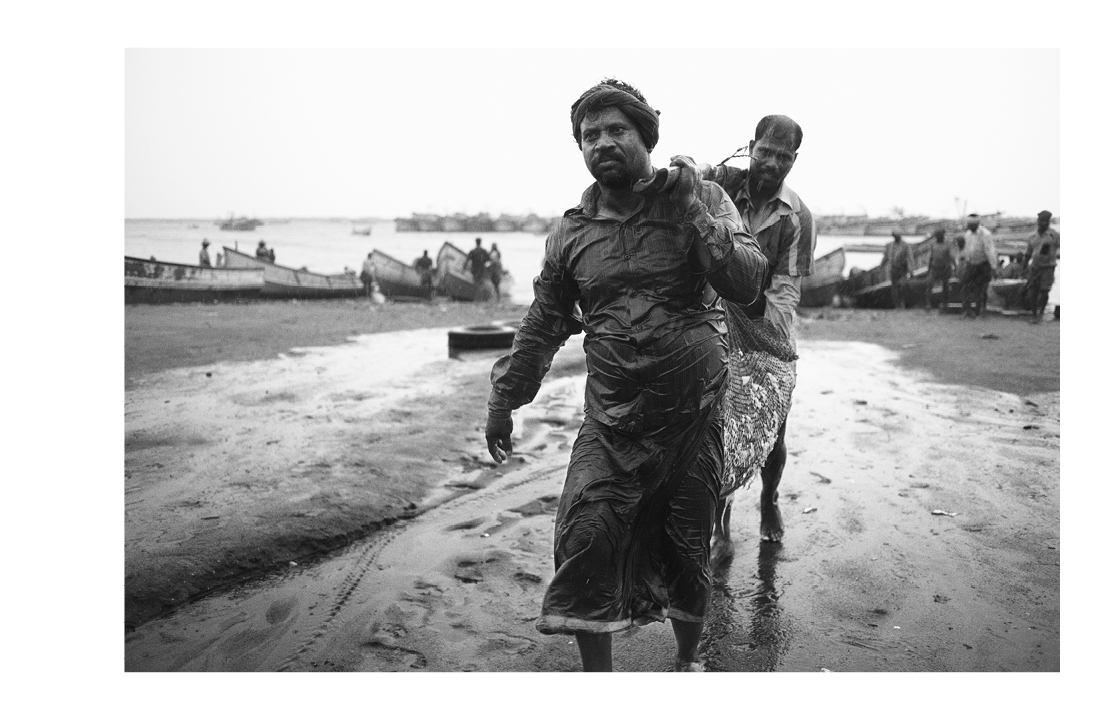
(633, 526)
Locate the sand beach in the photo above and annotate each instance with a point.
(307, 488)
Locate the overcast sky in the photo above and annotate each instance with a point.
(388, 132)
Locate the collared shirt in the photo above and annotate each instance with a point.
(1035, 243)
(979, 247)
(785, 229)
(655, 332)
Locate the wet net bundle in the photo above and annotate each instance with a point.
(759, 384)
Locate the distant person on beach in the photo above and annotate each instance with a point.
(941, 262)
(981, 258)
(960, 258)
(423, 265)
(762, 343)
(1015, 269)
(898, 258)
(477, 262)
(633, 527)
(262, 253)
(204, 256)
(368, 273)
(1043, 248)
(496, 269)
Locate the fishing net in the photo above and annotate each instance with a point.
(759, 385)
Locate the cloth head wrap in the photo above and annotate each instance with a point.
(602, 97)
(1045, 215)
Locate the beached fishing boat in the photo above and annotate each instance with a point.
(819, 289)
(285, 282)
(397, 280)
(456, 282)
(152, 281)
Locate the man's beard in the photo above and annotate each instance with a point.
(614, 179)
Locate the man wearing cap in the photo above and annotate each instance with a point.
(204, 256)
(981, 257)
(632, 535)
(1043, 248)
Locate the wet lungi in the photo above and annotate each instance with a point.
(632, 536)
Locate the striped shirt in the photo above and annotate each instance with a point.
(647, 288)
(785, 229)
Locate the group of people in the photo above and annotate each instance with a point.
(484, 263)
(686, 291)
(973, 263)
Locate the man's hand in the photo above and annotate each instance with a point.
(498, 437)
(688, 188)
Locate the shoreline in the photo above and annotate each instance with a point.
(269, 458)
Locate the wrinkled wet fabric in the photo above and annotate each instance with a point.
(655, 333)
(632, 536)
(633, 533)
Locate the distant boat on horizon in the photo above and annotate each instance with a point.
(241, 224)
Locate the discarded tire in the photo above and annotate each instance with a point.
(476, 337)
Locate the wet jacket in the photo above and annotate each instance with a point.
(645, 288)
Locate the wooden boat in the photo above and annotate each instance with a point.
(397, 280)
(152, 281)
(819, 289)
(361, 231)
(456, 282)
(284, 282)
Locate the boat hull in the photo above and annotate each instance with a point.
(821, 288)
(150, 281)
(281, 282)
(396, 280)
(457, 283)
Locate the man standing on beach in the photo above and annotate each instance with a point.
(898, 258)
(423, 265)
(204, 256)
(940, 264)
(784, 227)
(633, 527)
(1043, 247)
(477, 262)
(981, 257)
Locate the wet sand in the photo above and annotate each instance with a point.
(349, 483)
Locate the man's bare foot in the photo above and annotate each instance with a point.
(771, 523)
(679, 665)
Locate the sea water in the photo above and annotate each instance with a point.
(329, 246)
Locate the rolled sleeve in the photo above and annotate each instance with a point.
(796, 254)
